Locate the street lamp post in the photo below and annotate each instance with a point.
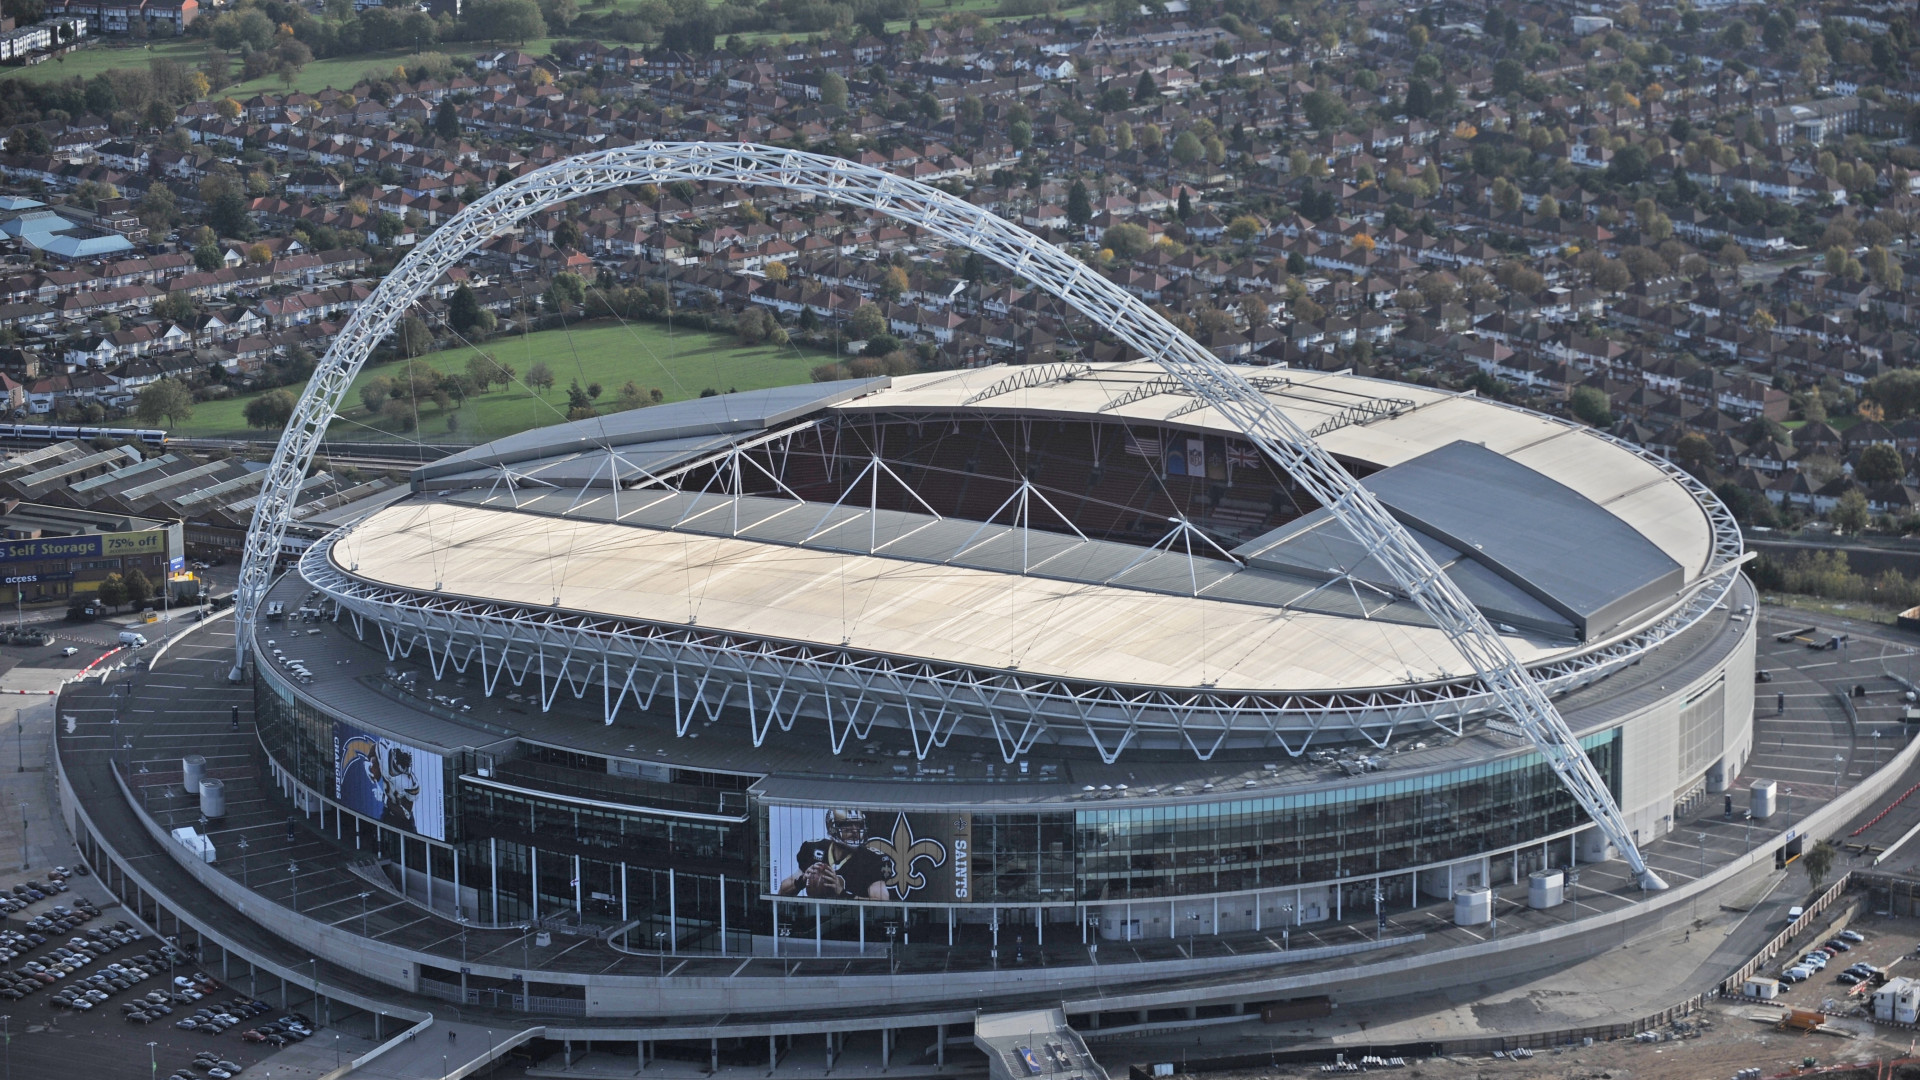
(363, 922)
(153, 1061)
(660, 947)
(293, 876)
(6, 1028)
(243, 861)
(23, 837)
(1702, 838)
(1193, 931)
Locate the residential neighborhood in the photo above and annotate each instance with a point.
(1688, 225)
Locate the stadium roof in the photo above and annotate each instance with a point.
(1553, 531)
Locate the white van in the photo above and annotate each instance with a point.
(132, 640)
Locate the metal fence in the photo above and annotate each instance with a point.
(1735, 983)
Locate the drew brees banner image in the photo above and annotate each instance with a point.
(856, 853)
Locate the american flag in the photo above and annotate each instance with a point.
(1243, 455)
(1139, 447)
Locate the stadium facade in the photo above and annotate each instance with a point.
(993, 658)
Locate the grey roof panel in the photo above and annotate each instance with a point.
(1562, 547)
(724, 414)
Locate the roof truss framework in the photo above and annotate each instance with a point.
(1508, 685)
(708, 676)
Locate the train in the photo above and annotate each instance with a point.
(51, 433)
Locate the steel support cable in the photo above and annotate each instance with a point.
(1049, 268)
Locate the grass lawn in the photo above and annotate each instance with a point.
(343, 72)
(89, 62)
(604, 352)
(340, 72)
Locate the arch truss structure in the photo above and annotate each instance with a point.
(1508, 686)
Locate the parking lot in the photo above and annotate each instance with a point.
(1889, 945)
(54, 1039)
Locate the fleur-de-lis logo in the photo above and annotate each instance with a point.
(905, 854)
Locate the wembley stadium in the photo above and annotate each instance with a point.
(1139, 693)
(1047, 652)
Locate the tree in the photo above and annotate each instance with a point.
(1020, 134)
(484, 371)
(446, 121)
(1896, 392)
(1694, 453)
(112, 591)
(138, 586)
(867, 322)
(464, 311)
(539, 378)
(520, 20)
(1879, 464)
(1508, 76)
(1145, 90)
(1629, 165)
(1850, 514)
(1187, 148)
(414, 337)
(1419, 100)
(1243, 228)
(1323, 110)
(1079, 203)
(207, 256)
(893, 283)
(167, 399)
(1590, 404)
(833, 92)
(156, 207)
(270, 410)
(1819, 860)
(579, 402)
(228, 216)
(1125, 240)
(568, 290)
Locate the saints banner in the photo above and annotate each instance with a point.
(858, 853)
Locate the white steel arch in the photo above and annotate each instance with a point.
(1050, 268)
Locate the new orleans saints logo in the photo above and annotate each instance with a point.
(905, 855)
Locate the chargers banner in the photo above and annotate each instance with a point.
(400, 785)
(851, 853)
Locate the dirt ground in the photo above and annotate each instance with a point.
(1728, 1037)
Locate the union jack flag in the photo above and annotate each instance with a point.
(1241, 454)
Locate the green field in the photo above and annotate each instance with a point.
(340, 73)
(89, 62)
(679, 366)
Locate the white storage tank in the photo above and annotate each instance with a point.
(213, 799)
(1473, 907)
(193, 769)
(1546, 889)
(1760, 801)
